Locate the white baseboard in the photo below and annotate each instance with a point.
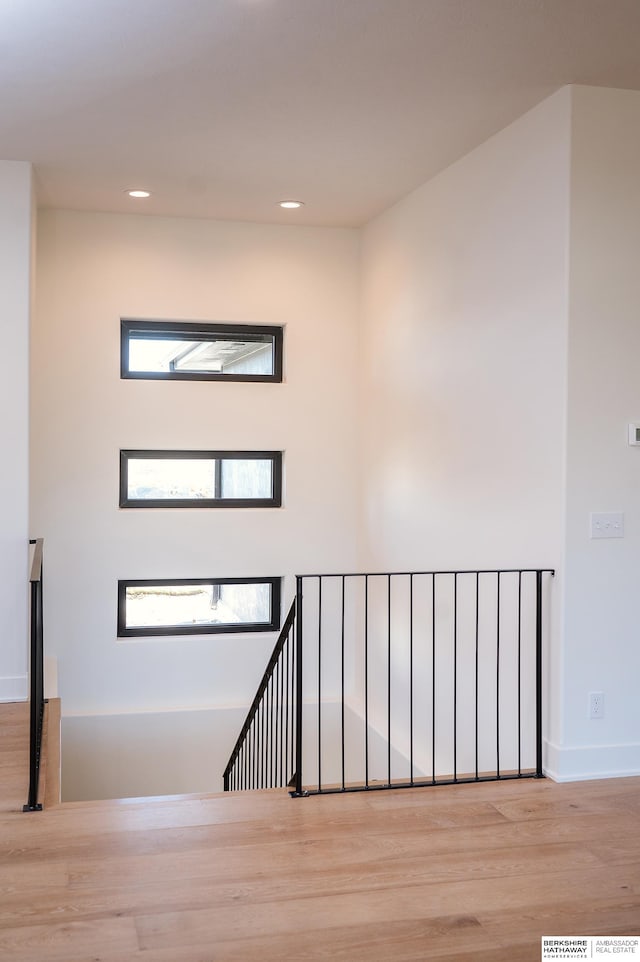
(13, 688)
(591, 761)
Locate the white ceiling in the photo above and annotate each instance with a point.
(224, 107)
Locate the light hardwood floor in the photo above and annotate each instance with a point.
(476, 872)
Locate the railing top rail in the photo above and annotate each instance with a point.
(36, 561)
(262, 687)
(405, 574)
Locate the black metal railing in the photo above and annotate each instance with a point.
(264, 755)
(420, 678)
(36, 672)
(406, 679)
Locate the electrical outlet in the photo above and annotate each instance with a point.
(596, 704)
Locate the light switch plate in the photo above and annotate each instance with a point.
(607, 525)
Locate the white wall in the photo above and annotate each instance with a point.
(146, 753)
(463, 334)
(92, 270)
(602, 637)
(180, 752)
(15, 284)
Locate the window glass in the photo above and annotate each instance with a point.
(187, 350)
(198, 606)
(200, 478)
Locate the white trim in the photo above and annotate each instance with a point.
(585, 762)
(13, 688)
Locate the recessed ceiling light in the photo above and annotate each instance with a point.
(139, 193)
(291, 204)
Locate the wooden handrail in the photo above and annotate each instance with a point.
(36, 562)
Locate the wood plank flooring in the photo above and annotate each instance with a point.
(473, 872)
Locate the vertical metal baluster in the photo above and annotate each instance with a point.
(262, 745)
(389, 679)
(519, 673)
(283, 773)
(275, 725)
(455, 677)
(278, 780)
(411, 675)
(256, 753)
(285, 709)
(249, 758)
(283, 780)
(477, 638)
(251, 736)
(256, 756)
(267, 738)
(274, 728)
(278, 724)
(273, 733)
(498, 676)
(288, 767)
(433, 678)
(342, 679)
(539, 772)
(299, 642)
(40, 659)
(34, 707)
(270, 733)
(366, 680)
(320, 684)
(292, 734)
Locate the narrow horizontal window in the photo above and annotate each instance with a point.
(197, 606)
(188, 350)
(200, 479)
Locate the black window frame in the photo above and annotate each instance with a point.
(204, 331)
(275, 501)
(220, 629)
